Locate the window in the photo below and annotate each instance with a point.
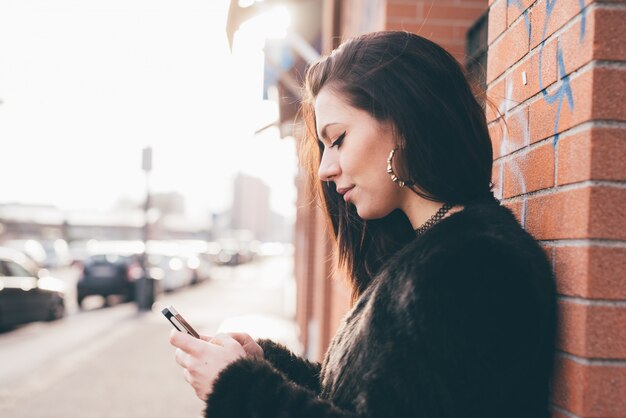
(15, 270)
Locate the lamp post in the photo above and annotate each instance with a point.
(145, 286)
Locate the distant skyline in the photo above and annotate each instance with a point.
(85, 86)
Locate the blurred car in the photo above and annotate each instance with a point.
(173, 271)
(233, 252)
(57, 254)
(30, 247)
(198, 258)
(202, 267)
(108, 274)
(25, 295)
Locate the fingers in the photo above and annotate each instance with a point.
(241, 337)
(225, 340)
(197, 347)
(187, 376)
(203, 359)
(248, 343)
(186, 342)
(201, 391)
(183, 359)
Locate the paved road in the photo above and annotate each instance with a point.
(116, 362)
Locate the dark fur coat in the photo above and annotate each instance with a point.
(460, 323)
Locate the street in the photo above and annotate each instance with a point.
(116, 362)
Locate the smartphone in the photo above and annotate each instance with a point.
(179, 322)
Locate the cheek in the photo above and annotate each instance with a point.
(378, 199)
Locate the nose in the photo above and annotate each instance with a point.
(329, 166)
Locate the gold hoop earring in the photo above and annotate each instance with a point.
(390, 171)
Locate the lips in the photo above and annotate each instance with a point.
(344, 191)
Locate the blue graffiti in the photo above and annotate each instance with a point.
(564, 90)
(583, 19)
(519, 5)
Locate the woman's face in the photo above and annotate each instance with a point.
(356, 147)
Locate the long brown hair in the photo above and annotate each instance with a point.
(446, 151)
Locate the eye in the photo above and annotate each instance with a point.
(337, 142)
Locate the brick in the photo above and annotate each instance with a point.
(576, 51)
(585, 212)
(495, 179)
(593, 154)
(468, 13)
(590, 390)
(436, 33)
(591, 272)
(530, 171)
(609, 154)
(497, 20)
(457, 49)
(462, 29)
(545, 214)
(495, 95)
(549, 250)
(517, 208)
(407, 11)
(609, 93)
(607, 219)
(534, 70)
(496, 132)
(507, 50)
(609, 34)
(592, 331)
(516, 131)
(574, 158)
(514, 10)
(562, 12)
(543, 116)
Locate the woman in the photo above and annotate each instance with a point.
(454, 303)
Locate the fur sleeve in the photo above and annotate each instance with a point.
(297, 369)
(254, 388)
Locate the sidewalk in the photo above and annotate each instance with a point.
(131, 372)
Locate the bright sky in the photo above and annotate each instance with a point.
(85, 85)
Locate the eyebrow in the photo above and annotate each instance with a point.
(323, 133)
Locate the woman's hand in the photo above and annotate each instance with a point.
(250, 346)
(203, 359)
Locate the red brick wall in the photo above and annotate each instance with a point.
(557, 74)
(443, 21)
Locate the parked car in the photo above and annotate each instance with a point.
(202, 267)
(233, 252)
(30, 247)
(173, 271)
(25, 295)
(108, 274)
(57, 253)
(198, 258)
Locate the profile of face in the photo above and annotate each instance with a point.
(355, 151)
